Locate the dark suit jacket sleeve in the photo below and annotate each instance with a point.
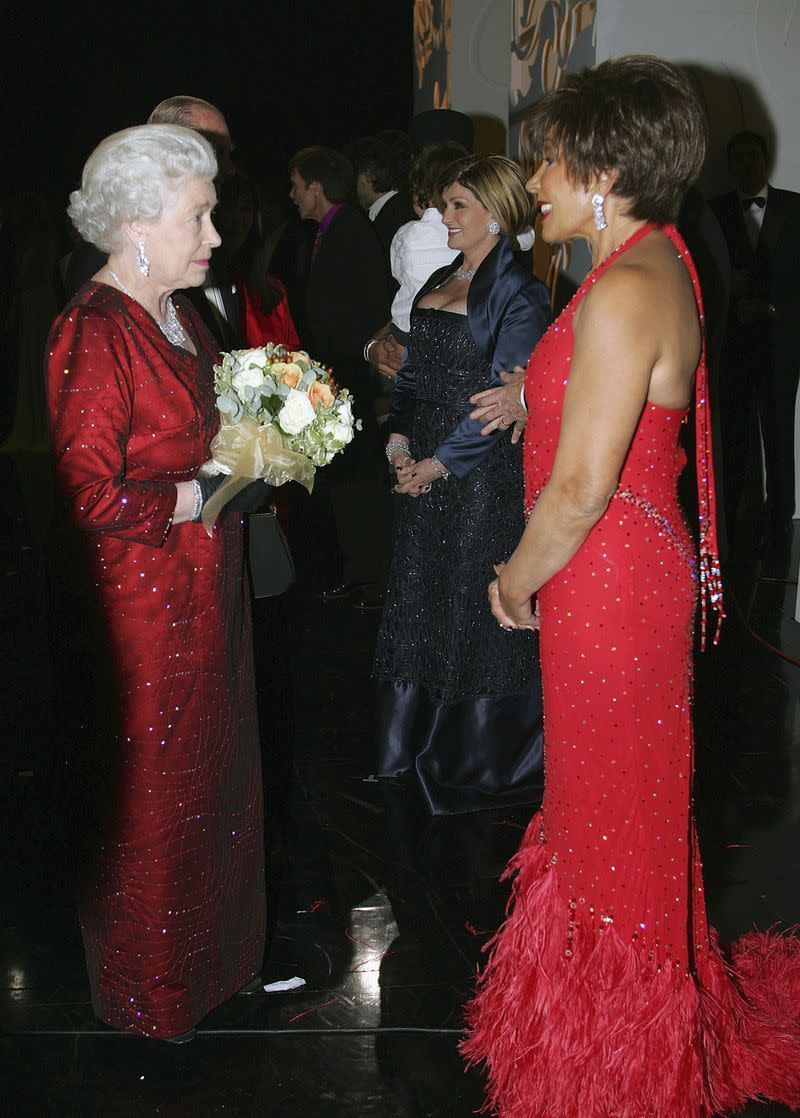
(783, 243)
(404, 399)
(84, 261)
(524, 321)
(348, 290)
(397, 211)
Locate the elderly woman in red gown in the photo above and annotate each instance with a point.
(172, 892)
(606, 994)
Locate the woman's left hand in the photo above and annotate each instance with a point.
(508, 614)
(419, 480)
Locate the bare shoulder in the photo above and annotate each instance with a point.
(649, 275)
(618, 301)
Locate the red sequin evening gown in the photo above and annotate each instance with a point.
(605, 994)
(172, 896)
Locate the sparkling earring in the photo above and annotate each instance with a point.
(599, 213)
(494, 227)
(142, 259)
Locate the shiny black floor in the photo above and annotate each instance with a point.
(380, 909)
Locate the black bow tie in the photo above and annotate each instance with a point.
(748, 202)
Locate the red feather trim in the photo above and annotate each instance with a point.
(609, 1031)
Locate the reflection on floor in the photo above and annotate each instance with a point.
(379, 908)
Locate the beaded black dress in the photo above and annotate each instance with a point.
(458, 698)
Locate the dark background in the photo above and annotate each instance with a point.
(285, 73)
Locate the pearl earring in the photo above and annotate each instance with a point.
(494, 227)
(599, 213)
(142, 259)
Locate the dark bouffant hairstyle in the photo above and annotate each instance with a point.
(332, 170)
(379, 159)
(426, 169)
(637, 115)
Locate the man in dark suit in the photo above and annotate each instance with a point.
(216, 300)
(760, 359)
(347, 299)
(381, 187)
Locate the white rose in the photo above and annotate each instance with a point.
(342, 432)
(247, 378)
(343, 422)
(255, 356)
(296, 413)
(249, 367)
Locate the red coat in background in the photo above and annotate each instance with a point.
(259, 326)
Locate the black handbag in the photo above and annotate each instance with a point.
(271, 563)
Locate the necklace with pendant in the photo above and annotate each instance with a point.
(172, 329)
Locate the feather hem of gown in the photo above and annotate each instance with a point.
(570, 1020)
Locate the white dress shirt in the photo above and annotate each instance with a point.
(214, 296)
(754, 215)
(418, 248)
(379, 203)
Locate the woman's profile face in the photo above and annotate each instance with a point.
(565, 209)
(467, 220)
(180, 243)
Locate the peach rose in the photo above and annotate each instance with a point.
(320, 395)
(287, 372)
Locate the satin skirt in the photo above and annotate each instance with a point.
(467, 754)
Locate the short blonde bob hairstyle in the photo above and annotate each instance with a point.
(498, 183)
(131, 175)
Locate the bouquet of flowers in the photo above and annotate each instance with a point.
(282, 417)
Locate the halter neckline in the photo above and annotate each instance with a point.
(629, 242)
(710, 575)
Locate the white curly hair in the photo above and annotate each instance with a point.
(131, 175)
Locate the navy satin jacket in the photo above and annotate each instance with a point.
(508, 310)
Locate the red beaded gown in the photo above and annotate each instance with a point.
(172, 893)
(605, 994)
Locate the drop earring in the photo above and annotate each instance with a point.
(599, 213)
(142, 259)
(494, 227)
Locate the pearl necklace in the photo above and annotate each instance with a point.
(172, 329)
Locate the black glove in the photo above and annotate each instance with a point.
(249, 499)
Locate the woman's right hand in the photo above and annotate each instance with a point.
(508, 614)
(501, 407)
(403, 466)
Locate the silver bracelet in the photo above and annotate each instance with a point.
(394, 445)
(198, 500)
(372, 341)
(440, 468)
